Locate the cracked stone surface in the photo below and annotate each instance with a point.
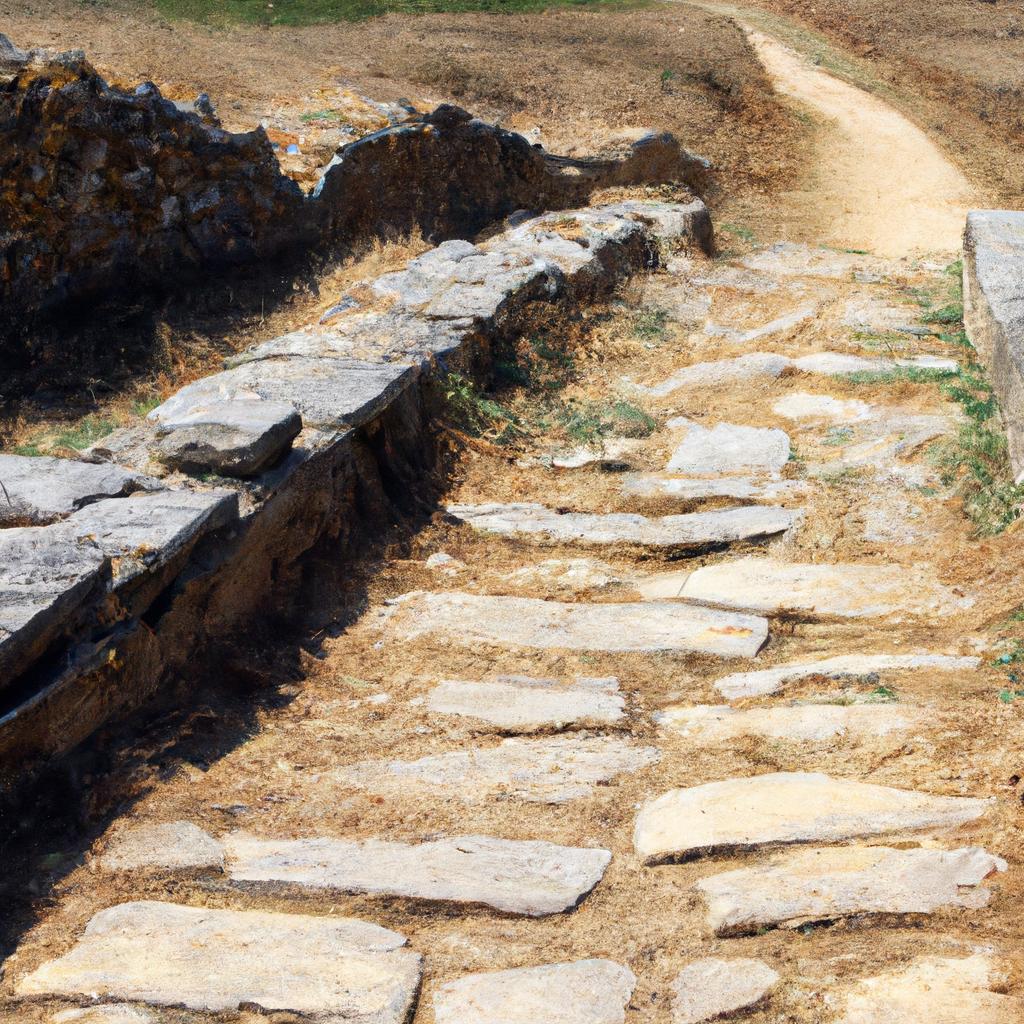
(552, 770)
(696, 529)
(172, 846)
(694, 488)
(730, 450)
(821, 885)
(584, 992)
(336, 970)
(804, 406)
(787, 807)
(527, 622)
(515, 876)
(523, 704)
(713, 987)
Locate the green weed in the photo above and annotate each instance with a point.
(587, 423)
(913, 374)
(650, 323)
(741, 232)
(477, 414)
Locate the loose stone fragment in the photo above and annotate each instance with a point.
(571, 574)
(518, 877)
(584, 992)
(712, 988)
(336, 970)
(845, 591)
(844, 666)
(786, 807)
(809, 723)
(36, 490)
(46, 576)
(234, 438)
(697, 529)
(719, 372)
(109, 1013)
(612, 452)
(821, 885)
(539, 771)
(527, 622)
(938, 990)
(803, 406)
(522, 704)
(730, 450)
(173, 846)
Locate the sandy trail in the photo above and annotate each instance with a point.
(880, 183)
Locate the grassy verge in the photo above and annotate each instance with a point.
(313, 12)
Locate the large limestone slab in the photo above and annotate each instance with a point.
(522, 704)
(994, 312)
(163, 846)
(552, 770)
(730, 450)
(584, 992)
(843, 666)
(843, 364)
(518, 877)
(696, 529)
(792, 259)
(110, 1013)
(720, 723)
(821, 885)
(234, 438)
(46, 576)
(939, 990)
(711, 988)
(335, 970)
(696, 488)
(786, 807)
(785, 322)
(38, 490)
(527, 622)
(719, 372)
(842, 590)
(144, 531)
(802, 405)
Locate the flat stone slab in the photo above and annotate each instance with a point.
(843, 666)
(170, 846)
(695, 529)
(528, 622)
(37, 490)
(939, 990)
(336, 970)
(842, 364)
(791, 259)
(518, 877)
(567, 574)
(46, 576)
(730, 450)
(552, 770)
(786, 807)
(234, 438)
(821, 885)
(785, 322)
(842, 590)
(522, 704)
(695, 488)
(720, 723)
(584, 992)
(147, 530)
(109, 1013)
(712, 988)
(801, 405)
(719, 372)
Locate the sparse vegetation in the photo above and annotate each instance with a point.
(911, 374)
(650, 323)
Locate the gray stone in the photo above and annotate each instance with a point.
(843, 591)
(696, 529)
(109, 1013)
(328, 393)
(233, 438)
(939, 990)
(335, 970)
(719, 372)
(801, 405)
(712, 988)
(527, 622)
(821, 885)
(518, 877)
(38, 490)
(712, 724)
(730, 450)
(583, 992)
(842, 364)
(696, 488)
(786, 807)
(612, 451)
(521, 704)
(843, 666)
(867, 312)
(551, 771)
(994, 312)
(145, 531)
(46, 576)
(785, 322)
(170, 846)
(567, 574)
(790, 259)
